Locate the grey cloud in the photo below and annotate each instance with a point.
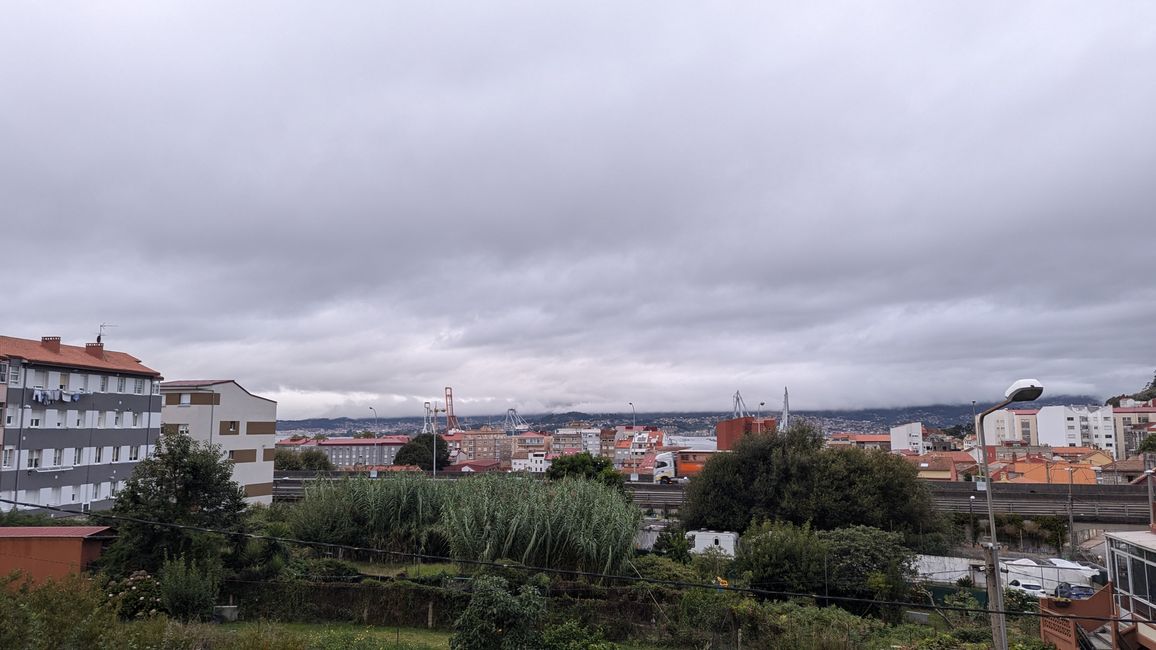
(577, 205)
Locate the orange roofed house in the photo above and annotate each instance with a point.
(76, 420)
(42, 552)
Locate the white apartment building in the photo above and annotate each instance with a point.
(1011, 425)
(1078, 426)
(908, 437)
(535, 462)
(222, 412)
(76, 420)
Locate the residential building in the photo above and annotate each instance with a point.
(646, 440)
(1078, 426)
(221, 412)
(76, 421)
(350, 453)
(606, 439)
(1133, 423)
(487, 443)
(908, 437)
(860, 440)
(529, 442)
(535, 462)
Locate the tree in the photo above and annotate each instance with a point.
(584, 465)
(498, 620)
(185, 483)
(419, 452)
(790, 477)
(1148, 445)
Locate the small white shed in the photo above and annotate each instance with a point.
(701, 540)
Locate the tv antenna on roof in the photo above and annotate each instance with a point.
(100, 333)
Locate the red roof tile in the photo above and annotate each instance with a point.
(51, 531)
(74, 356)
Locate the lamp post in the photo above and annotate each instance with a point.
(1071, 516)
(1151, 513)
(1024, 390)
(633, 416)
(374, 420)
(760, 420)
(971, 518)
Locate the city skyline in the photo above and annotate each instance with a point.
(554, 207)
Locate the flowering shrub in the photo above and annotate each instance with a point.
(135, 597)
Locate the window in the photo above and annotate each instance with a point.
(13, 374)
(3, 372)
(98, 455)
(77, 458)
(6, 459)
(116, 454)
(57, 457)
(186, 399)
(33, 458)
(121, 382)
(80, 419)
(136, 419)
(104, 384)
(101, 420)
(138, 386)
(34, 422)
(64, 381)
(116, 419)
(183, 429)
(234, 425)
(134, 452)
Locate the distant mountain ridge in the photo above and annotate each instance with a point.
(935, 415)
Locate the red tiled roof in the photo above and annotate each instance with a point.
(1134, 409)
(474, 465)
(193, 383)
(871, 437)
(295, 442)
(74, 356)
(51, 531)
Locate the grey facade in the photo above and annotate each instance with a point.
(76, 421)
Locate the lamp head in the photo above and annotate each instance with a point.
(1024, 390)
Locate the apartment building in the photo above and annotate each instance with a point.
(222, 412)
(1133, 421)
(1078, 426)
(908, 437)
(77, 420)
(1011, 426)
(349, 453)
(487, 443)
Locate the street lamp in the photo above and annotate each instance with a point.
(760, 427)
(1023, 390)
(1151, 513)
(971, 518)
(374, 420)
(1071, 518)
(633, 416)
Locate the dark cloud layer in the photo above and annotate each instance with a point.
(577, 205)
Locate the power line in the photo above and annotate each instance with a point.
(570, 572)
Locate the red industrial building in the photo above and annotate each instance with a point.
(44, 552)
(728, 432)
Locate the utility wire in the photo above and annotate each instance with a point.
(569, 572)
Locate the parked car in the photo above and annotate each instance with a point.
(1073, 592)
(1030, 588)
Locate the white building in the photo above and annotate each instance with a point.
(221, 412)
(77, 419)
(1078, 426)
(701, 540)
(908, 437)
(536, 462)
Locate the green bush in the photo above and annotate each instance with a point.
(572, 635)
(323, 570)
(188, 589)
(498, 620)
(68, 613)
(135, 597)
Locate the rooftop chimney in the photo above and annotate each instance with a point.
(95, 349)
(50, 343)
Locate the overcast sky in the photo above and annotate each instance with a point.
(575, 205)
